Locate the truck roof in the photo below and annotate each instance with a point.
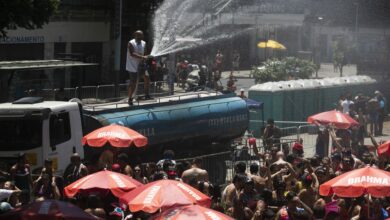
(53, 105)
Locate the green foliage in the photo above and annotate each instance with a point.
(339, 51)
(284, 69)
(29, 14)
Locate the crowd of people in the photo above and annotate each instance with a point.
(282, 184)
(368, 111)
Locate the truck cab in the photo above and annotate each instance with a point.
(42, 130)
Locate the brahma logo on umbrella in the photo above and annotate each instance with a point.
(118, 180)
(368, 179)
(212, 215)
(111, 134)
(151, 194)
(192, 193)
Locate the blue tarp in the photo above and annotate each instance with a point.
(252, 104)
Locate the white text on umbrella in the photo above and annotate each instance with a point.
(368, 179)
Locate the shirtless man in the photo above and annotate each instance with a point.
(195, 174)
(228, 192)
(262, 179)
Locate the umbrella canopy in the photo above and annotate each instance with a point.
(103, 181)
(189, 212)
(163, 194)
(384, 148)
(271, 44)
(336, 118)
(116, 135)
(358, 182)
(48, 210)
(252, 104)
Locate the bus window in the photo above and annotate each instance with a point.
(59, 129)
(18, 134)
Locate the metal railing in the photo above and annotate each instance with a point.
(100, 92)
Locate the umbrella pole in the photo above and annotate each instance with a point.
(368, 206)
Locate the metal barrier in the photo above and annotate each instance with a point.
(308, 133)
(87, 92)
(105, 91)
(289, 132)
(157, 88)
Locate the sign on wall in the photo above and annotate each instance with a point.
(22, 40)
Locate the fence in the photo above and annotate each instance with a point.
(100, 92)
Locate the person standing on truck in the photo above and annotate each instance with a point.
(21, 173)
(134, 61)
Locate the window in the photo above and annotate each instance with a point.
(59, 129)
(20, 134)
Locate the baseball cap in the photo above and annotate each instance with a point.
(116, 167)
(297, 146)
(242, 90)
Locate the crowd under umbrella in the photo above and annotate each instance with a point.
(102, 182)
(190, 212)
(116, 136)
(355, 183)
(48, 210)
(368, 180)
(161, 195)
(334, 118)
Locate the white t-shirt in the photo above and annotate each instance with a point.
(345, 104)
(5, 194)
(133, 62)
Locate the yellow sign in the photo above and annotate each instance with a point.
(32, 159)
(55, 163)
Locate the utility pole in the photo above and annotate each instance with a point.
(118, 48)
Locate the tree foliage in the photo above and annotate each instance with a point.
(29, 14)
(340, 50)
(284, 69)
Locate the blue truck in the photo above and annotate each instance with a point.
(191, 124)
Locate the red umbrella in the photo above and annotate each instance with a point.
(358, 182)
(116, 135)
(163, 194)
(189, 212)
(48, 210)
(384, 148)
(336, 118)
(103, 181)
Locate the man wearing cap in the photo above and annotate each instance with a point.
(242, 94)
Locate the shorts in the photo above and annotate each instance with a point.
(133, 76)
